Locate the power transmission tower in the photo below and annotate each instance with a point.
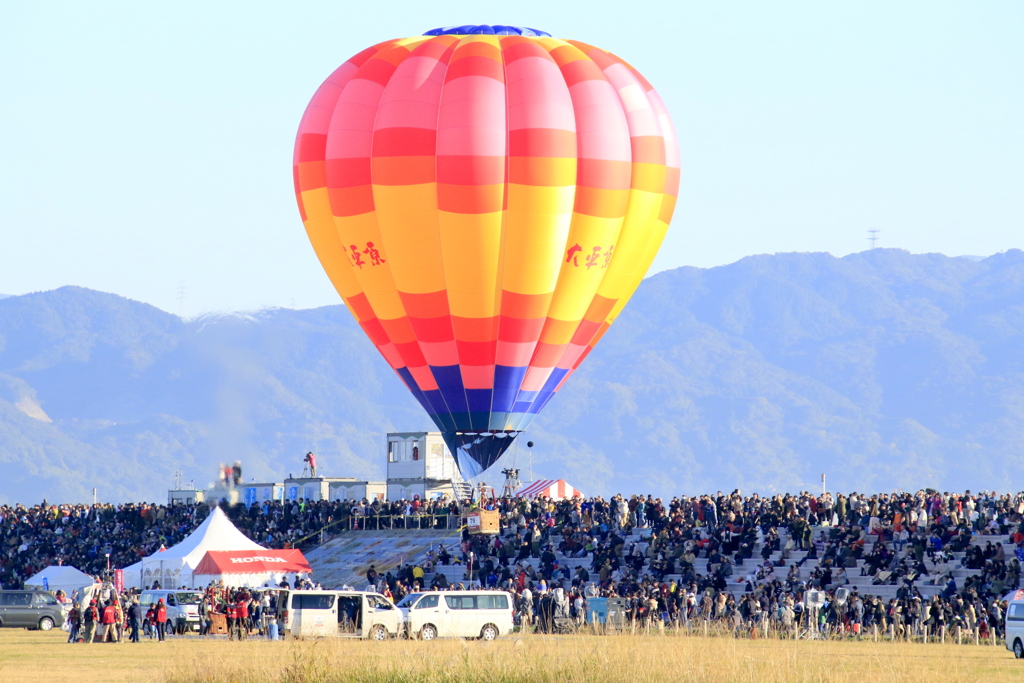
(873, 236)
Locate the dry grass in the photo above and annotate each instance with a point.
(562, 659)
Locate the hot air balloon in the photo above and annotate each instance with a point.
(485, 199)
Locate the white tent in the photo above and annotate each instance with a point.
(57, 577)
(173, 567)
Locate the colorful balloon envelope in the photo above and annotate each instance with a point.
(485, 199)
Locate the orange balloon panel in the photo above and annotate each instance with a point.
(485, 199)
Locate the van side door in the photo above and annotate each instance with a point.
(316, 614)
(8, 611)
(45, 605)
(18, 610)
(463, 614)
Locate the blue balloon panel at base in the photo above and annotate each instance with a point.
(476, 451)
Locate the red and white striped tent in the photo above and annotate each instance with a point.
(552, 488)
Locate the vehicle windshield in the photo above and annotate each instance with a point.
(378, 602)
(409, 600)
(189, 598)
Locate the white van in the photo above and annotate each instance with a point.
(348, 614)
(1015, 623)
(182, 607)
(463, 614)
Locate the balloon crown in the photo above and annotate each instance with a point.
(487, 30)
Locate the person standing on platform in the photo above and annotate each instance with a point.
(310, 460)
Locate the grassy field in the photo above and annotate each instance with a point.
(35, 656)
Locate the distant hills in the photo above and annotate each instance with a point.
(882, 369)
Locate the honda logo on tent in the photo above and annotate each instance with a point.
(258, 558)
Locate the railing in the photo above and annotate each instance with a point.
(445, 522)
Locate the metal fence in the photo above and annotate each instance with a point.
(445, 522)
(424, 522)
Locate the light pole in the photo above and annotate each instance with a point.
(108, 562)
(529, 444)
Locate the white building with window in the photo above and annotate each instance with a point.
(353, 490)
(420, 464)
(331, 488)
(185, 496)
(253, 492)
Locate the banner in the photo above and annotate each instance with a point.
(217, 562)
(119, 580)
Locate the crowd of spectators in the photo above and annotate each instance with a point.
(93, 537)
(743, 561)
(725, 558)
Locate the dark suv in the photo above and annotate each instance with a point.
(30, 609)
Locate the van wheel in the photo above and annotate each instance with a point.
(378, 632)
(46, 623)
(428, 632)
(1018, 649)
(489, 632)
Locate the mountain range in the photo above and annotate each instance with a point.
(882, 370)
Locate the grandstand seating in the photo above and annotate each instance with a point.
(344, 559)
(350, 558)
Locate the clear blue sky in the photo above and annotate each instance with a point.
(148, 144)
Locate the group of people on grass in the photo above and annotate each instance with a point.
(109, 616)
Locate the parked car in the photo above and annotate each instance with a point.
(348, 614)
(30, 609)
(463, 614)
(182, 607)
